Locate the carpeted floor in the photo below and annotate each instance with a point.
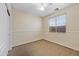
(42, 48)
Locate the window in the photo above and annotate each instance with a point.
(57, 24)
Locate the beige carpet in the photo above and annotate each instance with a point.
(42, 48)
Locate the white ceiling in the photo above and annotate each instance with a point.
(34, 8)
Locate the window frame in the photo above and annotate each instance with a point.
(56, 23)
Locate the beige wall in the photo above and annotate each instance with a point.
(25, 27)
(71, 37)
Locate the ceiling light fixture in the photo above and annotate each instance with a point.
(44, 5)
(42, 8)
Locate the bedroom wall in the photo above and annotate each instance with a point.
(26, 27)
(71, 37)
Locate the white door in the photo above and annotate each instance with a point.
(4, 30)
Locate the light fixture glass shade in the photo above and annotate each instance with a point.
(42, 8)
